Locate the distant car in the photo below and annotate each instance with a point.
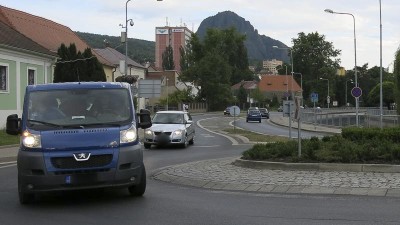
(253, 115)
(264, 113)
(280, 109)
(252, 108)
(170, 128)
(227, 111)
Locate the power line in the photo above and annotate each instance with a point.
(76, 60)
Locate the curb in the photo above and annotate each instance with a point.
(376, 168)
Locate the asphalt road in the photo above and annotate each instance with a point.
(165, 203)
(266, 127)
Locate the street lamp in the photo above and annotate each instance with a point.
(126, 34)
(355, 53)
(301, 85)
(380, 72)
(346, 88)
(291, 89)
(327, 97)
(167, 94)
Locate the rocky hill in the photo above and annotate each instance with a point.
(259, 47)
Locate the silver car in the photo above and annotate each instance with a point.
(170, 128)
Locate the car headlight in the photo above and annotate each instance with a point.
(178, 132)
(31, 140)
(129, 135)
(148, 132)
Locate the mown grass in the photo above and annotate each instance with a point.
(255, 137)
(6, 139)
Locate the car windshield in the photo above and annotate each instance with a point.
(263, 110)
(78, 108)
(254, 112)
(168, 118)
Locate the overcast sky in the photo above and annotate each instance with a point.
(281, 20)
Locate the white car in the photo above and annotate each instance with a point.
(170, 128)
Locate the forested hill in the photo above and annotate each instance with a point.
(139, 50)
(259, 47)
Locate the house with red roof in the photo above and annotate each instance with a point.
(272, 85)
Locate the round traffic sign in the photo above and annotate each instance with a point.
(356, 92)
(234, 111)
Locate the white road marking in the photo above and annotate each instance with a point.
(2, 167)
(234, 142)
(8, 162)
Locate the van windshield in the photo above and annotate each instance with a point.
(78, 108)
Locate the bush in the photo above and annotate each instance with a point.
(335, 149)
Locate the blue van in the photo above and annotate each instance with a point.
(79, 136)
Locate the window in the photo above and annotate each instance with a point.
(3, 78)
(31, 76)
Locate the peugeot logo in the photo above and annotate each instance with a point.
(82, 156)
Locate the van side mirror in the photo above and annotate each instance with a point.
(12, 126)
(144, 119)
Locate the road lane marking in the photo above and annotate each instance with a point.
(234, 142)
(2, 167)
(2, 163)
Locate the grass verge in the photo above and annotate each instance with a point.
(6, 139)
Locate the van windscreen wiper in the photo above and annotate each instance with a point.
(45, 123)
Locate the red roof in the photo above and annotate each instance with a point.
(278, 83)
(45, 32)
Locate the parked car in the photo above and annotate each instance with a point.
(253, 115)
(227, 111)
(170, 128)
(264, 113)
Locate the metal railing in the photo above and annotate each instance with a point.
(344, 117)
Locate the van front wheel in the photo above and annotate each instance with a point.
(140, 188)
(24, 198)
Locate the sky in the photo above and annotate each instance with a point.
(281, 20)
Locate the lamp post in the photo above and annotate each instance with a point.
(301, 86)
(291, 89)
(355, 54)
(126, 35)
(327, 97)
(380, 73)
(346, 88)
(167, 94)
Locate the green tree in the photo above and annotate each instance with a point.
(258, 96)
(314, 58)
(387, 91)
(168, 58)
(242, 94)
(216, 63)
(76, 66)
(396, 74)
(177, 97)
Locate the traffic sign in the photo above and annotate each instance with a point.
(356, 92)
(234, 110)
(314, 97)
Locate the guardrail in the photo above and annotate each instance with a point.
(344, 117)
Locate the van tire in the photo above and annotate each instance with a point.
(140, 188)
(147, 146)
(25, 198)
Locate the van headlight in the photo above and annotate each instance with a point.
(129, 135)
(31, 140)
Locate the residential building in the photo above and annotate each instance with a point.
(176, 37)
(271, 85)
(114, 57)
(22, 62)
(270, 65)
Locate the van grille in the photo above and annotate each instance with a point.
(71, 163)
